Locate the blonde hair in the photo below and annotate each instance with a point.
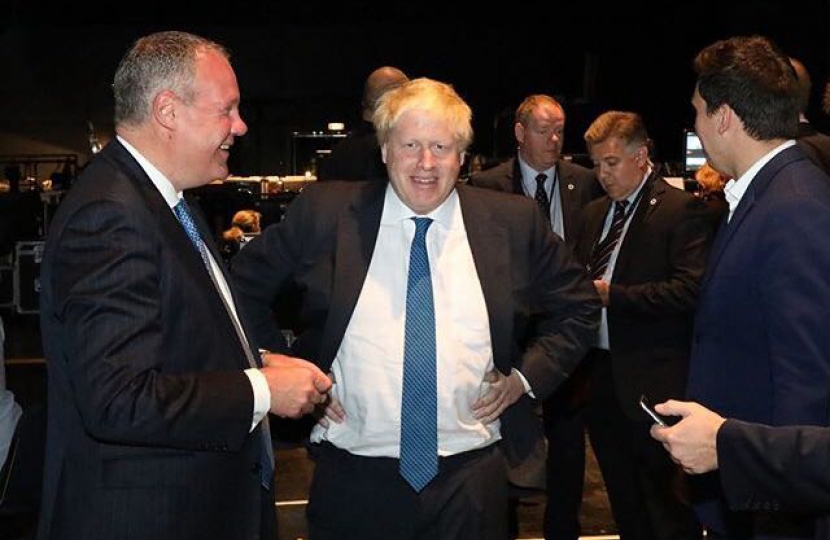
(437, 98)
(247, 220)
(710, 179)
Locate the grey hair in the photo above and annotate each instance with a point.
(157, 62)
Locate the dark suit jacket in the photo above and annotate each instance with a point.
(542, 309)
(760, 336)
(577, 187)
(815, 144)
(761, 322)
(149, 408)
(781, 468)
(653, 290)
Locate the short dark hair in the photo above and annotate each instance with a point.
(753, 77)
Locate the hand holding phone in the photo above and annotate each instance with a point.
(658, 418)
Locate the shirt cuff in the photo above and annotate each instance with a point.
(262, 395)
(526, 384)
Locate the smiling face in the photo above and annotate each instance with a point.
(207, 123)
(423, 159)
(541, 139)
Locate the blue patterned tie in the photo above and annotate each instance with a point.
(183, 213)
(419, 408)
(186, 219)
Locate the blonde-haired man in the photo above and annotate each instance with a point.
(439, 309)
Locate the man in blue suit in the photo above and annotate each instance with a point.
(760, 344)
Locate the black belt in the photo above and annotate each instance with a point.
(453, 461)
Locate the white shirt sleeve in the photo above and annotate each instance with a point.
(262, 395)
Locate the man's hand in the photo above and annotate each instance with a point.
(296, 385)
(332, 410)
(603, 287)
(504, 391)
(692, 442)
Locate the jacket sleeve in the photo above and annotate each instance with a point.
(565, 310)
(775, 468)
(676, 293)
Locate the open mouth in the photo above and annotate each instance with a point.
(426, 182)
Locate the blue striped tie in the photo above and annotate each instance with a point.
(186, 219)
(419, 408)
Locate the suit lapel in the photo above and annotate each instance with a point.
(357, 232)
(516, 179)
(569, 196)
(592, 229)
(487, 237)
(653, 191)
(754, 192)
(180, 244)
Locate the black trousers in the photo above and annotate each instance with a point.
(564, 416)
(268, 515)
(647, 491)
(356, 497)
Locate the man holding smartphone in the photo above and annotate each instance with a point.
(645, 246)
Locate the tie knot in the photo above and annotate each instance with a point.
(422, 225)
(621, 206)
(540, 178)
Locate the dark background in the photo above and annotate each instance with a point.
(302, 64)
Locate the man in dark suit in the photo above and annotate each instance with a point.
(814, 143)
(358, 156)
(761, 467)
(158, 407)
(566, 187)
(760, 336)
(645, 247)
(563, 190)
(467, 286)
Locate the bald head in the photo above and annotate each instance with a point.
(379, 82)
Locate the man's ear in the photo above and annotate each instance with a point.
(725, 117)
(519, 132)
(165, 108)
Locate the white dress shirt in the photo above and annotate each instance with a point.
(603, 341)
(262, 394)
(735, 189)
(368, 368)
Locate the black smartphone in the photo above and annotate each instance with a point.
(658, 418)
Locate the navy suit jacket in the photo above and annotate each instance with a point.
(149, 408)
(577, 187)
(542, 309)
(761, 339)
(775, 468)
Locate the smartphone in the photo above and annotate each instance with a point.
(658, 418)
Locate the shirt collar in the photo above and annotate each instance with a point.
(165, 187)
(530, 173)
(448, 213)
(735, 189)
(633, 195)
